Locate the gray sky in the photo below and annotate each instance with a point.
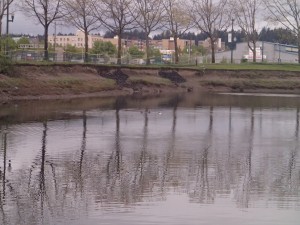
(27, 25)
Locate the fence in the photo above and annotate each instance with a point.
(26, 55)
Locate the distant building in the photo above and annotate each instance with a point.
(266, 51)
(168, 44)
(219, 45)
(76, 40)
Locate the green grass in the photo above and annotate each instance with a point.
(254, 83)
(253, 66)
(217, 66)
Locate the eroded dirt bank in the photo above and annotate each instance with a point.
(70, 81)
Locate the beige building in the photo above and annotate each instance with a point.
(168, 44)
(219, 45)
(76, 40)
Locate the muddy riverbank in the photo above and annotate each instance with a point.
(72, 81)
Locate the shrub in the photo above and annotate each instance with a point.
(6, 65)
(244, 60)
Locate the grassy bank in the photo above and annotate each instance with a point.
(218, 66)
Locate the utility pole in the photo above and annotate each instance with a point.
(7, 28)
(190, 51)
(7, 25)
(0, 29)
(232, 44)
(54, 36)
(262, 51)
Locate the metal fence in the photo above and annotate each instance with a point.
(26, 55)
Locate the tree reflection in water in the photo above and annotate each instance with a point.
(221, 155)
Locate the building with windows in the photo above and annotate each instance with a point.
(168, 44)
(76, 40)
(219, 45)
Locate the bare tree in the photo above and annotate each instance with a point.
(45, 11)
(285, 13)
(79, 13)
(177, 20)
(210, 16)
(246, 14)
(3, 11)
(116, 16)
(149, 17)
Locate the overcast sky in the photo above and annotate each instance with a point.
(26, 25)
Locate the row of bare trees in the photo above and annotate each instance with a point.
(177, 16)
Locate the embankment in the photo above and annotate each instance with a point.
(67, 81)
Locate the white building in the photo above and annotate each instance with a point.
(270, 52)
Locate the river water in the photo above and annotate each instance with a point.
(185, 159)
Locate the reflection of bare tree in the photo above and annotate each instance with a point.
(226, 172)
(114, 163)
(4, 164)
(293, 154)
(211, 119)
(202, 192)
(82, 151)
(3, 174)
(243, 194)
(42, 188)
(6, 184)
(39, 188)
(170, 150)
(145, 171)
(114, 179)
(297, 124)
(139, 173)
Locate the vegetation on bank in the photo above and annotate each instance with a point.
(6, 65)
(200, 66)
(242, 84)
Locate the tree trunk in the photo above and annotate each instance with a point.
(298, 45)
(147, 51)
(86, 46)
(176, 50)
(254, 51)
(119, 48)
(213, 58)
(46, 53)
(0, 35)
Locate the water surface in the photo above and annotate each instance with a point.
(188, 159)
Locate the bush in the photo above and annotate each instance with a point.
(6, 65)
(244, 60)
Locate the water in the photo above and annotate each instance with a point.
(189, 159)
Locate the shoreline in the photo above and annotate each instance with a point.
(67, 81)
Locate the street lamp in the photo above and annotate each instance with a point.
(7, 25)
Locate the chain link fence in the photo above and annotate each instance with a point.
(29, 55)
